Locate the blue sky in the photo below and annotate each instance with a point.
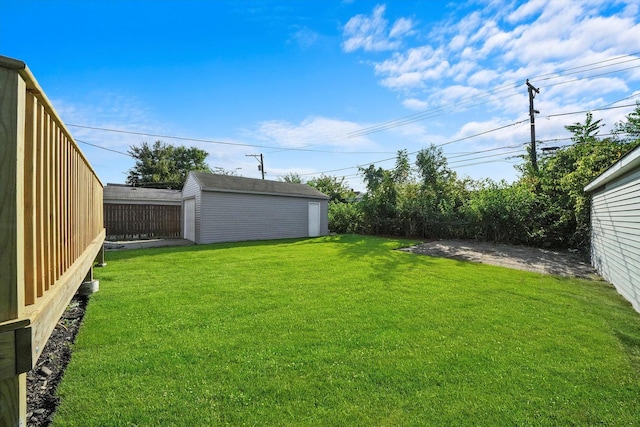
(326, 86)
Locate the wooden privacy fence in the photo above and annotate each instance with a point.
(124, 221)
(51, 228)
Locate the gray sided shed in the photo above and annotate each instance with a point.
(615, 226)
(222, 208)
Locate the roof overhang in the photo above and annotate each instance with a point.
(626, 164)
(264, 193)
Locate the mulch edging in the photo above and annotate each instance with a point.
(44, 378)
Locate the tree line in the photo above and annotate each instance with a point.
(545, 207)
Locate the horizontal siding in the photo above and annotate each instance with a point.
(618, 201)
(230, 217)
(324, 218)
(629, 228)
(615, 239)
(190, 188)
(627, 223)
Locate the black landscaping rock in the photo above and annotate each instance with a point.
(43, 379)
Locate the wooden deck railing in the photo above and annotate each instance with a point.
(51, 228)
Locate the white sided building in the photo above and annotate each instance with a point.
(615, 226)
(223, 208)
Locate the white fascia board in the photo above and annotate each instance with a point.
(622, 166)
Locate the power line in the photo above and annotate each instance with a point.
(588, 111)
(439, 112)
(554, 76)
(505, 160)
(591, 76)
(470, 153)
(362, 152)
(478, 134)
(441, 109)
(404, 120)
(472, 136)
(485, 157)
(103, 148)
(210, 141)
(414, 152)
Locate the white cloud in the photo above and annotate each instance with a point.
(305, 37)
(526, 10)
(458, 42)
(402, 27)
(413, 68)
(483, 78)
(468, 73)
(371, 33)
(415, 104)
(588, 88)
(314, 133)
(505, 42)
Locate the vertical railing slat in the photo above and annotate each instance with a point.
(48, 200)
(41, 211)
(29, 233)
(55, 173)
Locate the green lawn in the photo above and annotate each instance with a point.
(346, 331)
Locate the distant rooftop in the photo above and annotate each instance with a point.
(120, 193)
(237, 184)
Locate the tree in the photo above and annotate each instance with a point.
(432, 167)
(334, 187)
(563, 208)
(585, 132)
(164, 165)
(382, 202)
(292, 177)
(402, 171)
(630, 129)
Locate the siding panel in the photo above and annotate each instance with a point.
(615, 239)
(228, 217)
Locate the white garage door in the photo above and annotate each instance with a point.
(190, 219)
(314, 219)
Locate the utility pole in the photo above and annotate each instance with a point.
(532, 116)
(259, 158)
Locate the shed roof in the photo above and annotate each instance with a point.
(626, 164)
(237, 184)
(119, 193)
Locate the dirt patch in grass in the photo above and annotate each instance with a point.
(562, 263)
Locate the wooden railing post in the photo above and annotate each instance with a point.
(13, 397)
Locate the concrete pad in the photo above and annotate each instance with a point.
(562, 263)
(143, 244)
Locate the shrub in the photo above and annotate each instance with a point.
(345, 217)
